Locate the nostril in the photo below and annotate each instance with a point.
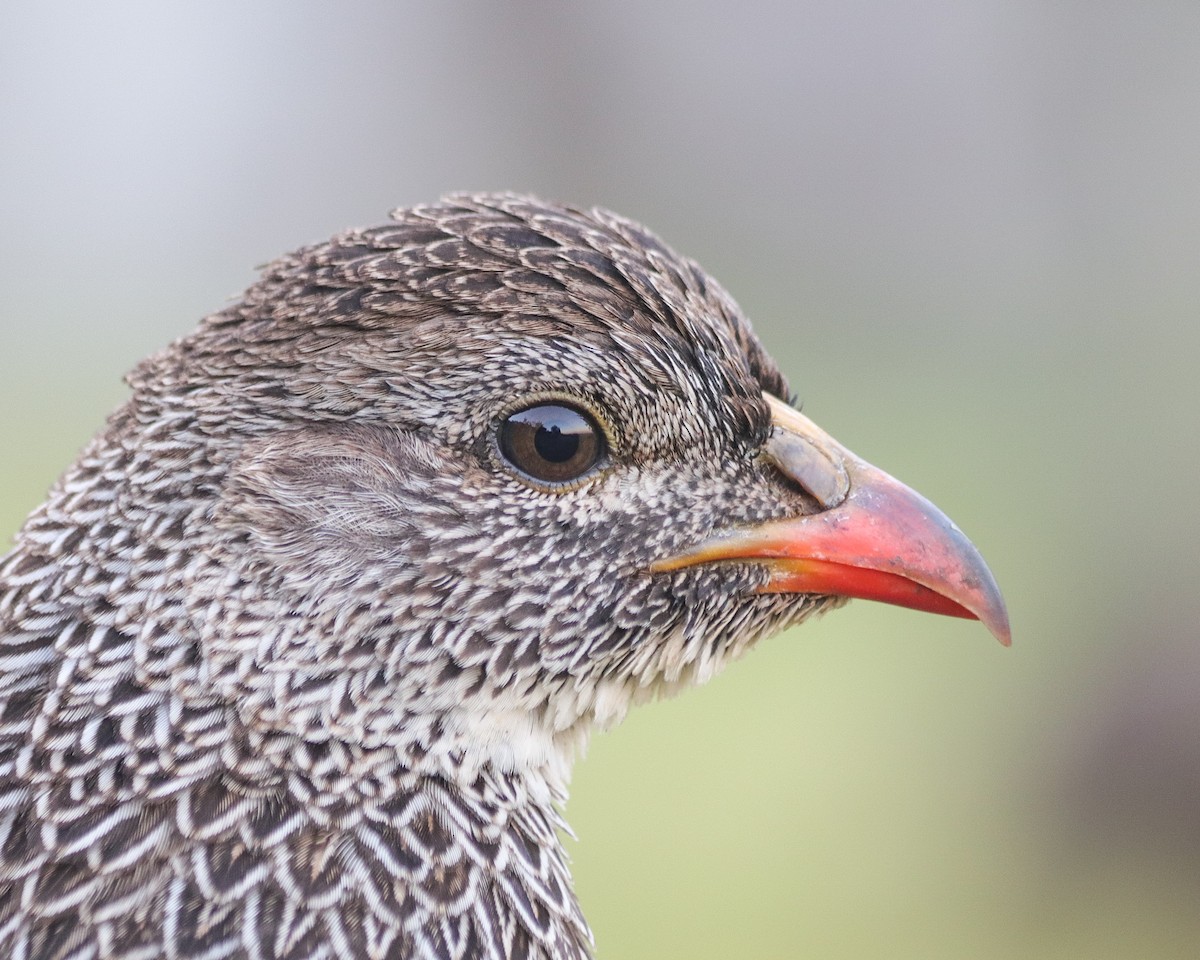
(817, 471)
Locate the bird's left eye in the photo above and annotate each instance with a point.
(551, 442)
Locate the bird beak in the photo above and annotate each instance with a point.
(873, 538)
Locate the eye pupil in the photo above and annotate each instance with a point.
(551, 442)
(554, 445)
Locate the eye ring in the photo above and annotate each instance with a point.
(551, 442)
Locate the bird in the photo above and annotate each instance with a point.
(296, 658)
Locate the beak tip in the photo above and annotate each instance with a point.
(997, 623)
(989, 608)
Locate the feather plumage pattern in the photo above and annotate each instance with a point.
(294, 665)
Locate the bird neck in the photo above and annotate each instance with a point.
(476, 858)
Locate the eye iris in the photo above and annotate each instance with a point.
(551, 442)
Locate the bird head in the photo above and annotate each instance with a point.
(459, 488)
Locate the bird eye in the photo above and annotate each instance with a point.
(551, 442)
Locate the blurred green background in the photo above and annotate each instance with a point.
(969, 229)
